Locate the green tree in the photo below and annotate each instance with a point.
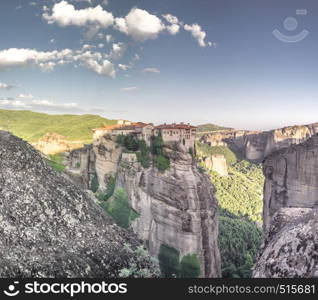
(119, 209)
(143, 155)
(157, 145)
(169, 261)
(190, 266)
(162, 163)
(94, 184)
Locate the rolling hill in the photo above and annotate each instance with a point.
(211, 127)
(31, 126)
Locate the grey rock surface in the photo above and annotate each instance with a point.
(177, 207)
(257, 145)
(51, 228)
(290, 213)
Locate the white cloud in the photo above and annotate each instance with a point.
(46, 61)
(140, 25)
(9, 103)
(14, 57)
(108, 38)
(48, 66)
(52, 41)
(25, 96)
(173, 29)
(123, 67)
(129, 89)
(171, 19)
(105, 67)
(151, 70)
(65, 14)
(5, 86)
(118, 50)
(197, 33)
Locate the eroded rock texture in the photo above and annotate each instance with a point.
(51, 228)
(256, 145)
(290, 213)
(291, 178)
(177, 207)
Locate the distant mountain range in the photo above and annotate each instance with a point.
(31, 126)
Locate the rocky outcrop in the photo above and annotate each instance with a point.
(290, 212)
(216, 163)
(176, 208)
(290, 249)
(256, 145)
(291, 178)
(53, 143)
(51, 228)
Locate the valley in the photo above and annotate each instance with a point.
(194, 200)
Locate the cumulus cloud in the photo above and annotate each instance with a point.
(151, 70)
(65, 14)
(118, 49)
(171, 19)
(5, 86)
(173, 29)
(197, 33)
(47, 61)
(93, 62)
(129, 89)
(140, 25)
(15, 57)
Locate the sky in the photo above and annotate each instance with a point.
(247, 64)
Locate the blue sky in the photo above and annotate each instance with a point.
(195, 61)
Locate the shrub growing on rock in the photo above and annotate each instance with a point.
(169, 262)
(190, 266)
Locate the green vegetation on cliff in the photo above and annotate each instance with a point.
(240, 202)
(204, 150)
(241, 192)
(56, 162)
(119, 209)
(172, 267)
(31, 126)
(190, 266)
(239, 241)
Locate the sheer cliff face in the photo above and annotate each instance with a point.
(291, 178)
(290, 213)
(177, 208)
(51, 228)
(255, 146)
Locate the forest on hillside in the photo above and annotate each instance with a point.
(240, 202)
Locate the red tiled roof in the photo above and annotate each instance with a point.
(175, 126)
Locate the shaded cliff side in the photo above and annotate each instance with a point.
(176, 208)
(51, 228)
(256, 145)
(290, 212)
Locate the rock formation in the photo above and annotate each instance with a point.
(53, 143)
(256, 145)
(176, 208)
(216, 163)
(51, 228)
(291, 178)
(290, 212)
